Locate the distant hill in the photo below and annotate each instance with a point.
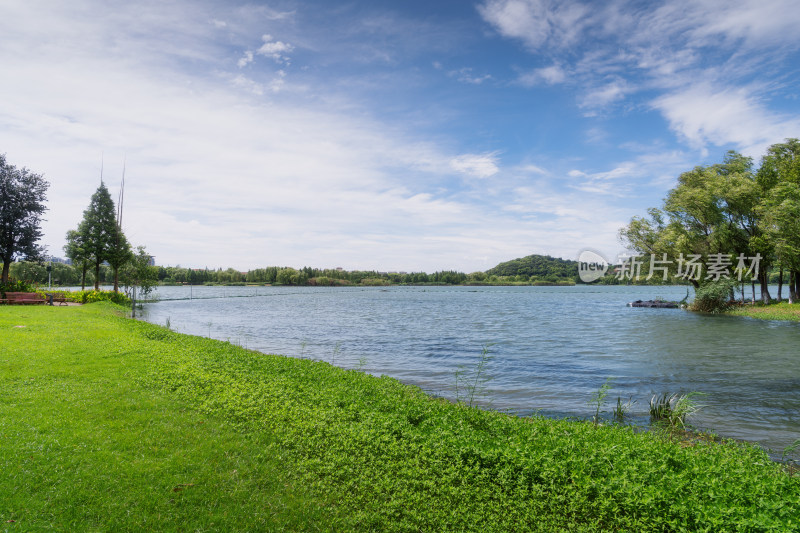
(541, 266)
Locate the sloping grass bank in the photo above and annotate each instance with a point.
(112, 424)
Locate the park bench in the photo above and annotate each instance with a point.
(23, 298)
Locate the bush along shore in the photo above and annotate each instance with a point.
(112, 424)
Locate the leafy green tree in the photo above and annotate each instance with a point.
(22, 197)
(779, 177)
(138, 275)
(119, 254)
(75, 249)
(712, 210)
(287, 276)
(780, 211)
(99, 230)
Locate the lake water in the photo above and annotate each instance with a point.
(551, 348)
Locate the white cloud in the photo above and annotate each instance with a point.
(274, 49)
(465, 75)
(533, 169)
(703, 114)
(476, 165)
(247, 84)
(551, 75)
(605, 95)
(246, 59)
(537, 21)
(278, 82)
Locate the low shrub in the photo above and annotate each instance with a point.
(92, 296)
(713, 297)
(16, 285)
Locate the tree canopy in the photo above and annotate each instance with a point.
(542, 266)
(99, 237)
(730, 213)
(22, 197)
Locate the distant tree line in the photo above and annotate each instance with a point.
(64, 274)
(537, 268)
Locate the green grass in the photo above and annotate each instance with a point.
(108, 424)
(775, 311)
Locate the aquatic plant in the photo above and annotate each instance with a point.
(673, 409)
(790, 449)
(620, 412)
(599, 398)
(473, 385)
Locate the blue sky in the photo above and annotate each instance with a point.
(386, 135)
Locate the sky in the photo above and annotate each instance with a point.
(385, 135)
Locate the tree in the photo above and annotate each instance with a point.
(779, 177)
(119, 254)
(75, 250)
(780, 212)
(712, 211)
(22, 197)
(138, 273)
(98, 231)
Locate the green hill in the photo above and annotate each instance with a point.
(541, 266)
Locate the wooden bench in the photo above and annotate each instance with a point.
(23, 298)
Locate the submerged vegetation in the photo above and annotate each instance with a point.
(113, 424)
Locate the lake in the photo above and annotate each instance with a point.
(551, 348)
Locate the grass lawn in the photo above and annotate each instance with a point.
(776, 311)
(109, 424)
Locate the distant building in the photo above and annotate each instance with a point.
(152, 261)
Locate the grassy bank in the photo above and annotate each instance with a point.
(775, 311)
(112, 424)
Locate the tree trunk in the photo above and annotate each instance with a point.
(97, 276)
(6, 268)
(763, 277)
(780, 284)
(753, 287)
(792, 294)
(116, 280)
